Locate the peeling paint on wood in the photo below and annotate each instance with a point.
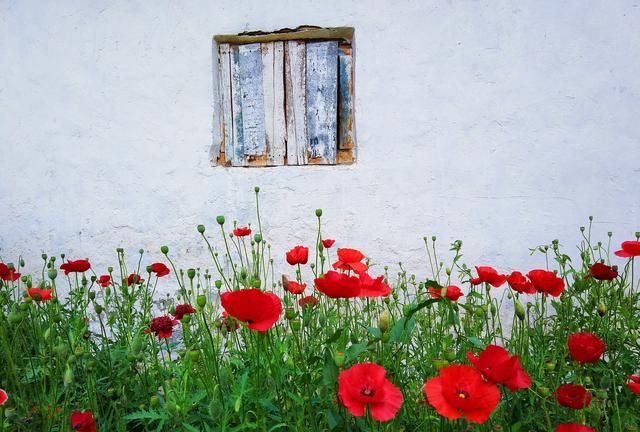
(252, 100)
(273, 90)
(345, 97)
(224, 80)
(296, 106)
(237, 156)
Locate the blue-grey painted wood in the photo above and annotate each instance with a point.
(322, 101)
(296, 102)
(237, 157)
(252, 100)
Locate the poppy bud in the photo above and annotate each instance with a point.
(191, 273)
(243, 273)
(519, 310)
(257, 238)
(25, 305)
(447, 271)
(406, 308)
(164, 249)
(494, 309)
(544, 391)
(339, 358)
(256, 189)
(638, 234)
(220, 220)
(295, 325)
(218, 283)
(602, 309)
(15, 317)
(68, 376)
(384, 320)
(255, 283)
(193, 354)
(440, 363)
(587, 380)
(450, 354)
(201, 300)
(92, 295)
(289, 313)
(186, 319)
(581, 229)
(154, 401)
(98, 309)
(550, 366)
(433, 238)
(318, 212)
(201, 229)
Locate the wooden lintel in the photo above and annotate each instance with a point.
(305, 33)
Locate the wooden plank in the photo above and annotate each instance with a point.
(273, 90)
(224, 88)
(302, 33)
(252, 100)
(237, 155)
(345, 97)
(296, 102)
(322, 101)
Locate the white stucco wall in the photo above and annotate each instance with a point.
(501, 123)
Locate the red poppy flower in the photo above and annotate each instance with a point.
(634, 384)
(370, 287)
(489, 275)
(162, 326)
(546, 282)
(228, 322)
(182, 310)
(260, 310)
(496, 365)
(82, 421)
(365, 385)
(459, 391)
(573, 396)
(518, 282)
(308, 301)
(242, 231)
(3, 397)
(134, 279)
(629, 249)
(295, 287)
(452, 292)
(602, 271)
(160, 269)
(573, 427)
(8, 274)
(338, 285)
(327, 243)
(78, 266)
(40, 294)
(104, 281)
(298, 255)
(585, 347)
(349, 259)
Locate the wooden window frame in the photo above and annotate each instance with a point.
(270, 124)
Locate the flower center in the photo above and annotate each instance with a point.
(368, 392)
(462, 394)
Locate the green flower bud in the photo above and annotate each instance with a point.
(218, 283)
(92, 295)
(186, 319)
(318, 212)
(256, 189)
(338, 357)
(296, 325)
(450, 354)
(440, 363)
(154, 401)
(544, 391)
(164, 249)
(257, 238)
(289, 313)
(194, 355)
(15, 317)
(52, 273)
(201, 300)
(201, 229)
(191, 273)
(550, 366)
(98, 309)
(220, 220)
(384, 320)
(519, 310)
(68, 376)
(602, 309)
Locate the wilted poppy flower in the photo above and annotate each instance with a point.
(573, 427)
(496, 366)
(3, 397)
(292, 286)
(573, 396)
(298, 255)
(162, 326)
(629, 249)
(242, 231)
(8, 274)
(134, 279)
(634, 384)
(488, 275)
(82, 421)
(160, 269)
(459, 391)
(518, 282)
(365, 385)
(182, 310)
(370, 287)
(452, 292)
(260, 310)
(338, 285)
(546, 282)
(308, 301)
(40, 294)
(327, 243)
(585, 347)
(78, 266)
(349, 259)
(104, 281)
(602, 271)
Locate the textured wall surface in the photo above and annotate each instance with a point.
(501, 123)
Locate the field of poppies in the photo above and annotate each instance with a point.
(336, 343)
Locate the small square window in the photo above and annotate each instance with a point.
(285, 98)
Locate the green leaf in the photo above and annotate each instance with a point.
(432, 284)
(330, 370)
(401, 330)
(334, 337)
(477, 343)
(354, 351)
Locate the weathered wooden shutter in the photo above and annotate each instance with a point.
(285, 98)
